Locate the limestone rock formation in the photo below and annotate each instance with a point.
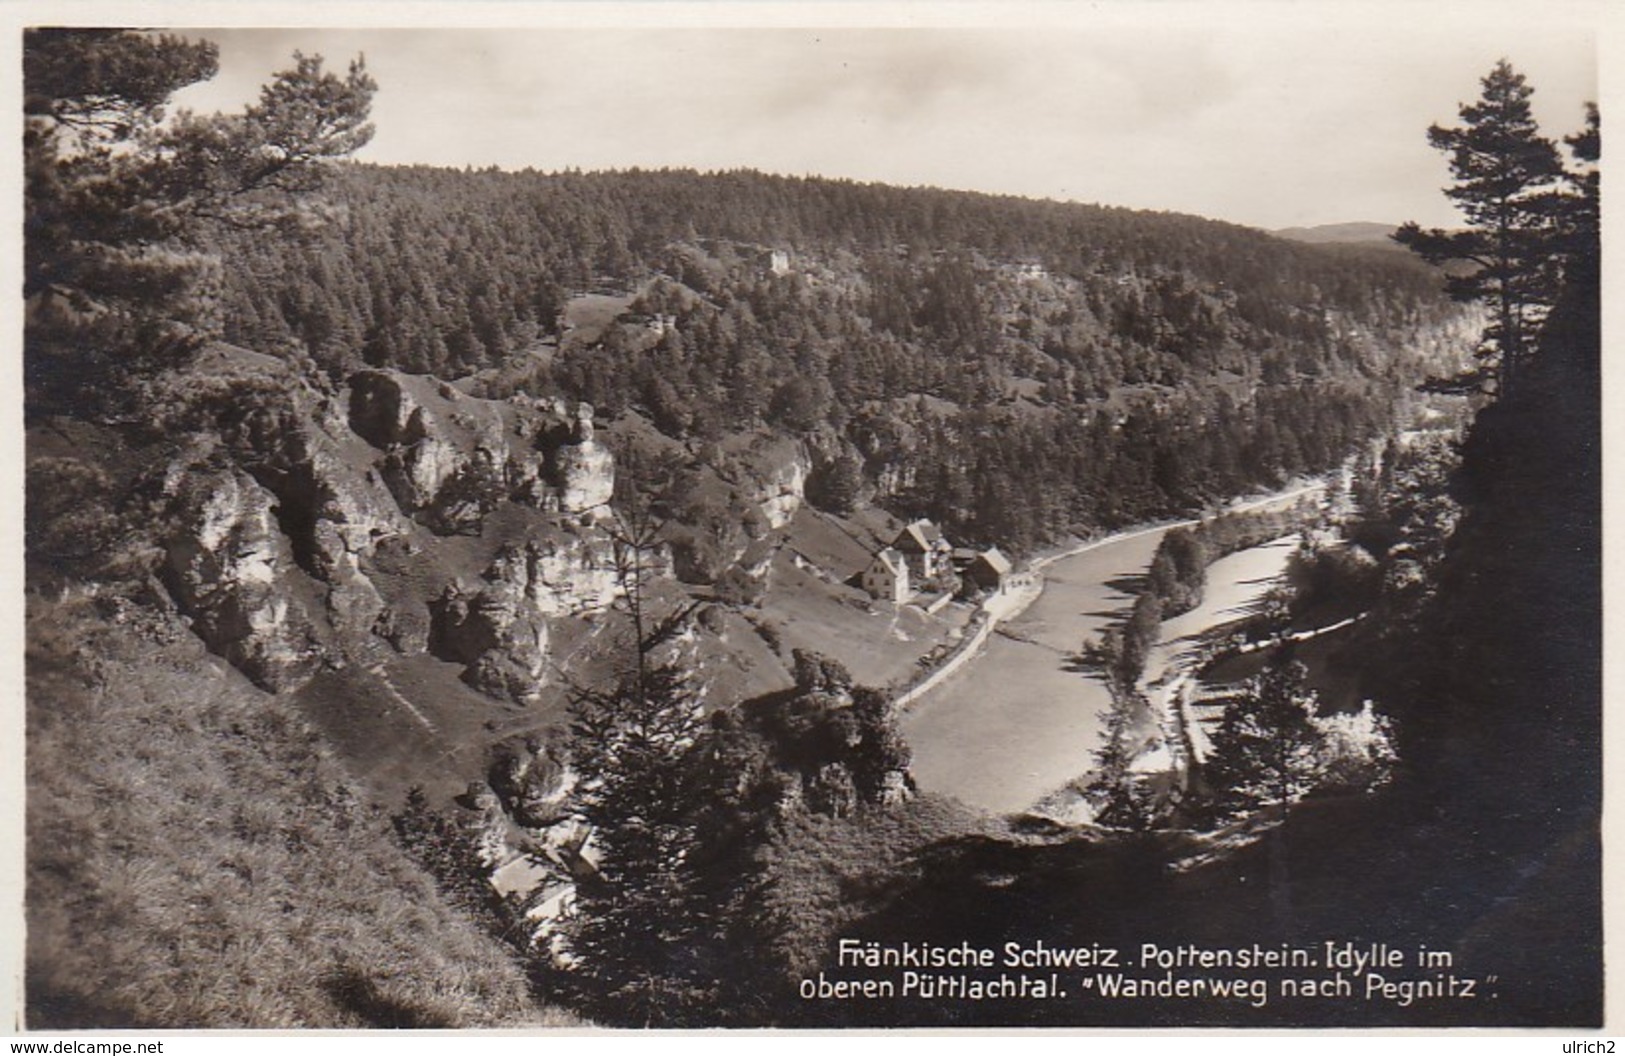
(226, 570)
(784, 489)
(300, 522)
(450, 459)
(560, 574)
(499, 629)
(585, 479)
(502, 640)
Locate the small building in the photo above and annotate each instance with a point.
(549, 904)
(988, 570)
(887, 577)
(524, 875)
(768, 261)
(922, 545)
(544, 881)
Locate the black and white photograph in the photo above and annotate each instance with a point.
(561, 516)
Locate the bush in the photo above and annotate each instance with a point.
(1346, 577)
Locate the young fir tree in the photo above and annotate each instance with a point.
(641, 924)
(1268, 750)
(641, 934)
(1121, 799)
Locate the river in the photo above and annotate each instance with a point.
(1017, 722)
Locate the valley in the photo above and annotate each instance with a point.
(1023, 719)
(494, 597)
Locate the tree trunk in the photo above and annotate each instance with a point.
(1280, 880)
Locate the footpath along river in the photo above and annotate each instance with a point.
(1018, 721)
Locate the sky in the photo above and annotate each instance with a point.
(1267, 114)
(1254, 114)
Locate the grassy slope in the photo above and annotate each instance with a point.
(736, 664)
(386, 746)
(196, 858)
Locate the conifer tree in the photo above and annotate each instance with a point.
(640, 935)
(120, 198)
(1267, 750)
(1507, 179)
(1581, 217)
(641, 923)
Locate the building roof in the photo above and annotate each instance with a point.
(994, 560)
(522, 876)
(893, 561)
(549, 901)
(918, 537)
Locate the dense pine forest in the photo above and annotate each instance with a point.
(1129, 363)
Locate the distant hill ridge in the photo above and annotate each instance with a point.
(1366, 231)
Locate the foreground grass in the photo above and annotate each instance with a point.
(195, 858)
(827, 873)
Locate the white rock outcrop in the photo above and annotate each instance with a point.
(226, 568)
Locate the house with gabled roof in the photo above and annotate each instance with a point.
(886, 578)
(924, 548)
(988, 569)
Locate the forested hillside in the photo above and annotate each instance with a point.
(1129, 363)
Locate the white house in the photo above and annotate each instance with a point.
(887, 577)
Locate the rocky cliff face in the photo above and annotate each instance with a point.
(227, 571)
(450, 459)
(499, 627)
(501, 639)
(886, 443)
(333, 509)
(725, 509)
(583, 474)
(560, 574)
(784, 489)
(285, 526)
